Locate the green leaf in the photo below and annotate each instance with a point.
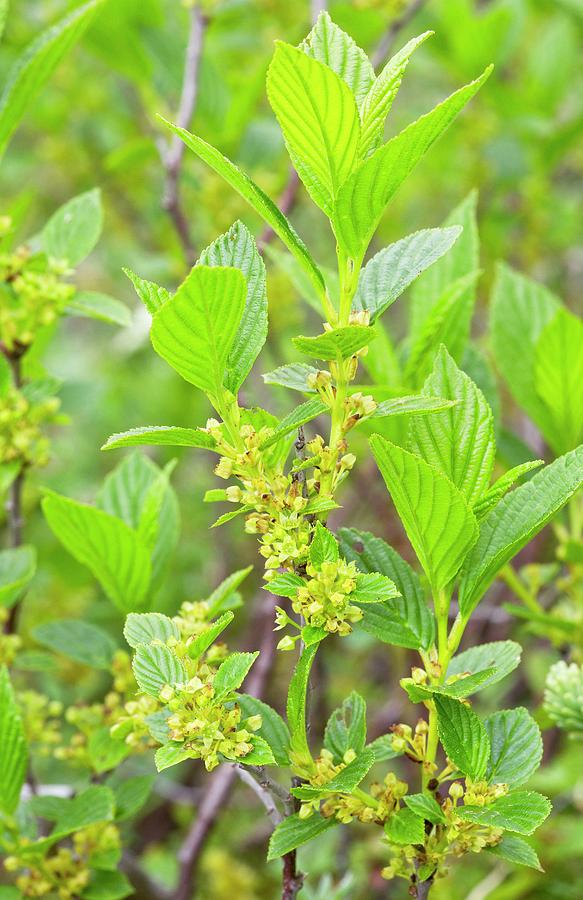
(95, 305)
(324, 546)
(463, 687)
(237, 249)
(196, 329)
(382, 747)
(460, 262)
(342, 783)
(81, 641)
(256, 198)
(341, 342)
(161, 435)
(392, 270)
(144, 628)
(17, 569)
(346, 727)
(436, 517)
(303, 413)
(515, 520)
(170, 755)
(95, 804)
(464, 737)
(311, 634)
(504, 656)
(520, 811)
(106, 545)
(285, 584)
(405, 827)
(405, 621)
(459, 442)
(221, 598)
(293, 832)
(73, 230)
(130, 795)
(366, 193)
(521, 309)
(328, 44)
(515, 850)
(35, 66)
(294, 376)
(273, 728)
(410, 406)
(374, 588)
(500, 487)
(152, 295)
(107, 885)
(13, 751)
(232, 672)
(296, 703)
(202, 642)
(517, 746)
(558, 379)
(425, 807)
(260, 755)
(155, 665)
(319, 119)
(380, 97)
(106, 752)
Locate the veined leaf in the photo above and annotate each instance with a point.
(144, 628)
(35, 66)
(155, 665)
(500, 487)
(237, 249)
(161, 435)
(195, 330)
(232, 672)
(365, 194)
(413, 405)
(517, 746)
(95, 305)
(343, 783)
(106, 545)
(426, 807)
(273, 728)
(152, 295)
(343, 342)
(81, 641)
(381, 95)
(515, 520)
(293, 832)
(324, 546)
(317, 114)
(463, 735)
(346, 727)
(436, 517)
(515, 850)
(73, 230)
(504, 656)
(296, 703)
(17, 569)
(130, 795)
(170, 755)
(260, 202)
(392, 270)
(95, 804)
(221, 597)
(202, 642)
(294, 376)
(459, 442)
(405, 827)
(303, 413)
(13, 752)
(558, 376)
(520, 811)
(374, 588)
(328, 44)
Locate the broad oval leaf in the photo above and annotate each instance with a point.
(520, 811)
(504, 656)
(143, 628)
(517, 746)
(81, 641)
(73, 230)
(273, 728)
(95, 305)
(463, 735)
(293, 832)
(342, 783)
(155, 665)
(232, 672)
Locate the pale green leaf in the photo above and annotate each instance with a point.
(405, 827)
(202, 642)
(517, 746)
(105, 752)
(342, 783)
(130, 795)
(504, 656)
(340, 342)
(294, 376)
(232, 672)
(514, 849)
(273, 728)
(426, 807)
(17, 569)
(463, 736)
(170, 755)
(520, 811)
(502, 485)
(303, 413)
(328, 44)
(95, 305)
(324, 546)
(81, 641)
(107, 885)
(222, 595)
(293, 832)
(413, 405)
(73, 230)
(13, 752)
(143, 628)
(161, 435)
(152, 295)
(558, 376)
(346, 727)
(154, 666)
(296, 702)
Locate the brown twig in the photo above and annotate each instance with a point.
(385, 44)
(172, 153)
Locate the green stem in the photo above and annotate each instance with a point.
(516, 585)
(366, 798)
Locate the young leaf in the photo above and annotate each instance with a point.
(144, 628)
(170, 755)
(303, 413)
(17, 569)
(517, 746)
(405, 827)
(285, 585)
(161, 435)
(155, 665)
(73, 230)
(436, 517)
(105, 752)
(343, 783)
(392, 270)
(196, 329)
(106, 545)
(232, 672)
(364, 196)
(130, 795)
(346, 727)
(464, 737)
(35, 66)
(256, 198)
(558, 379)
(374, 588)
(95, 305)
(296, 702)
(202, 642)
(237, 249)
(514, 522)
(343, 342)
(294, 376)
(520, 811)
(81, 641)
(406, 621)
(319, 119)
(293, 832)
(328, 44)
(152, 295)
(273, 728)
(107, 885)
(459, 442)
(515, 850)
(500, 487)
(221, 597)
(426, 807)
(382, 747)
(324, 547)
(503, 656)
(413, 405)
(379, 99)
(13, 752)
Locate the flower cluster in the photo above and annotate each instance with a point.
(324, 599)
(374, 808)
(42, 721)
(21, 437)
